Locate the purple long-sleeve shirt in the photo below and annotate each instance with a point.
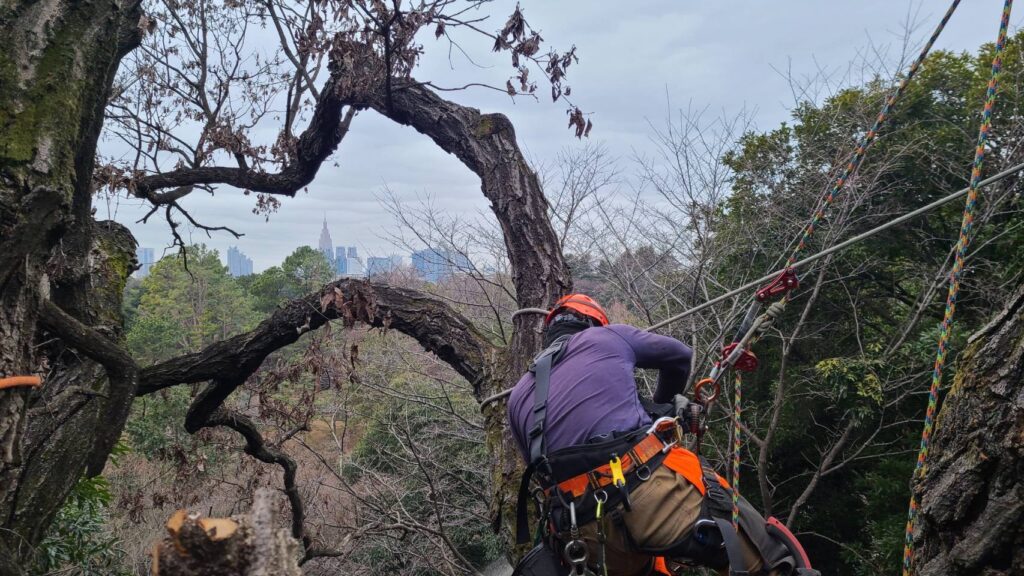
(593, 391)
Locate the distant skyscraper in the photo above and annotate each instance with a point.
(434, 265)
(238, 263)
(145, 259)
(340, 261)
(355, 267)
(375, 266)
(352, 252)
(326, 245)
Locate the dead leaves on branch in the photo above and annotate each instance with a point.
(524, 43)
(235, 90)
(582, 125)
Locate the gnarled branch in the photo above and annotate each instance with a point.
(435, 325)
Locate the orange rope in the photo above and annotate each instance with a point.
(13, 381)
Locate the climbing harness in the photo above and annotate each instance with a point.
(583, 483)
(966, 226)
(17, 381)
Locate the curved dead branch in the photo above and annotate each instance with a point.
(321, 138)
(227, 364)
(435, 325)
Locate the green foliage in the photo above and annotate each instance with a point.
(78, 543)
(846, 367)
(176, 310)
(883, 515)
(156, 427)
(303, 271)
(306, 270)
(182, 310)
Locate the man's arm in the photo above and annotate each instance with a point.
(670, 356)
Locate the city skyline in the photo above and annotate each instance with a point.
(345, 259)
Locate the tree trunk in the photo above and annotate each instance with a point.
(56, 68)
(971, 520)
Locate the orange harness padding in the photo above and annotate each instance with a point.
(687, 464)
(13, 381)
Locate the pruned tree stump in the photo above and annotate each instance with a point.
(247, 545)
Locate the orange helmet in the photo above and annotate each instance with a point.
(580, 303)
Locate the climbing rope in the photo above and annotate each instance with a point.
(869, 137)
(837, 247)
(737, 443)
(966, 228)
(778, 286)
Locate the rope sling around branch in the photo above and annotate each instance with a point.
(798, 264)
(963, 242)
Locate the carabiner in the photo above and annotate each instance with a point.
(575, 553)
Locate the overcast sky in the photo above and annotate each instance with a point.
(727, 55)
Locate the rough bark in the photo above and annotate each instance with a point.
(76, 418)
(434, 324)
(971, 519)
(56, 68)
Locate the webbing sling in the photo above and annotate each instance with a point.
(730, 537)
(542, 385)
(541, 369)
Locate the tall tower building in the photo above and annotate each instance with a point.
(340, 261)
(238, 263)
(145, 259)
(326, 245)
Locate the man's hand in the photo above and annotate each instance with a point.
(682, 408)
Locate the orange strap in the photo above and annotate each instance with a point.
(661, 567)
(687, 464)
(13, 381)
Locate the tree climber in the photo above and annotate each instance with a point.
(619, 495)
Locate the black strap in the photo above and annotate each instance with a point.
(732, 547)
(522, 518)
(541, 369)
(542, 385)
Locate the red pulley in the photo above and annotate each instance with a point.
(747, 362)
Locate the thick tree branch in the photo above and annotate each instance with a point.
(434, 324)
(317, 142)
(122, 372)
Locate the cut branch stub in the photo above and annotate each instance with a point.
(249, 545)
